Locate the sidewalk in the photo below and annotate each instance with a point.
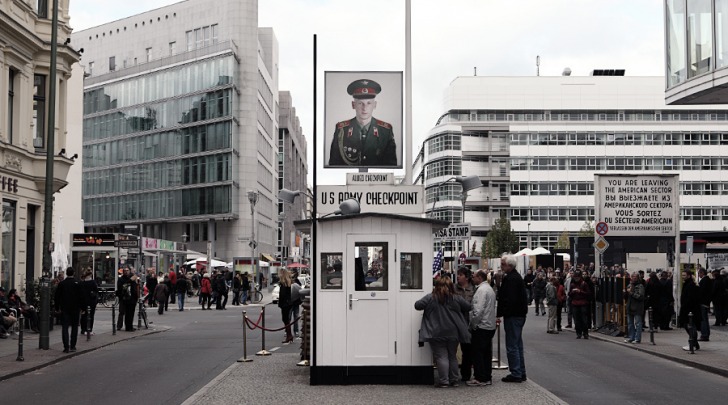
(712, 356)
(35, 358)
(264, 380)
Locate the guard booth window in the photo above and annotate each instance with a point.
(410, 271)
(331, 271)
(370, 266)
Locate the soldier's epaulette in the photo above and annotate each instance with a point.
(384, 124)
(343, 124)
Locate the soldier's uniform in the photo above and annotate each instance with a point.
(372, 145)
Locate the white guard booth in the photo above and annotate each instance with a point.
(369, 271)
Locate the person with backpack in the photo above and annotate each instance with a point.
(127, 291)
(181, 291)
(90, 293)
(222, 291)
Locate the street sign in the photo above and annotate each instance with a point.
(130, 243)
(601, 244)
(602, 228)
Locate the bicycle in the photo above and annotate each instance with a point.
(108, 298)
(255, 297)
(143, 312)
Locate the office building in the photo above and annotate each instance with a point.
(536, 143)
(180, 123)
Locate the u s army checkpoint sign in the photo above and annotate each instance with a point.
(404, 200)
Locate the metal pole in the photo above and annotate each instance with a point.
(113, 319)
(88, 323)
(245, 358)
(20, 339)
(45, 310)
(408, 91)
(497, 332)
(691, 338)
(262, 351)
(652, 328)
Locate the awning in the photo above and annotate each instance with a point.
(267, 258)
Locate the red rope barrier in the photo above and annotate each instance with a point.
(256, 325)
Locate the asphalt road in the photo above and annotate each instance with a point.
(596, 372)
(162, 368)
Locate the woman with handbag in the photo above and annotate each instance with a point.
(444, 326)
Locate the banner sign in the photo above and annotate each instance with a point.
(638, 205)
(404, 200)
(454, 232)
(353, 179)
(717, 261)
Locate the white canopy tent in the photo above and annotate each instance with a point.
(215, 262)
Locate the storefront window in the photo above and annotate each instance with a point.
(410, 271)
(331, 271)
(7, 256)
(101, 263)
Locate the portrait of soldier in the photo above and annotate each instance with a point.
(363, 140)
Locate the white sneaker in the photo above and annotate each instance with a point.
(627, 340)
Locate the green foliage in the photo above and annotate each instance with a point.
(500, 239)
(587, 229)
(563, 242)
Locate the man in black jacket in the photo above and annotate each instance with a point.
(705, 285)
(128, 292)
(68, 301)
(690, 303)
(513, 307)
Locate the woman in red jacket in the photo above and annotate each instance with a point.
(206, 291)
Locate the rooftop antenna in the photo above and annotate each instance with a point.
(538, 64)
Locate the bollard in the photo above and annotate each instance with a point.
(20, 339)
(139, 315)
(652, 329)
(245, 358)
(262, 351)
(691, 329)
(88, 323)
(497, 332)
(113, 319)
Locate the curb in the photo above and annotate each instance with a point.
(691, 363)
(71, 355)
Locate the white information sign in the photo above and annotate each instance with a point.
(454, 232)
(362, 179)
(405, 200)
(638, 205)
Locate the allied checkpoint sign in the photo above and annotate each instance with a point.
(388, 199)
(637, 205)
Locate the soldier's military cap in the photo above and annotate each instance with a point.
(364, 88)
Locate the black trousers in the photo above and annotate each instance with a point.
(69, 319)
(466, 365)
(129, 309)
(87, 320)
(581, 317)
(482, 348)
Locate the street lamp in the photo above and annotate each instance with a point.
(184, 248)
(528, 236)
(253, 198)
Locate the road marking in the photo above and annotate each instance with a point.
(274, 349)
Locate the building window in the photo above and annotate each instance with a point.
(39, 110)
(214, 29)
(43, 8)
(11, 101)
(190, 41)
(172, 46)
(149, 54)
(90, 68)
(112, 63)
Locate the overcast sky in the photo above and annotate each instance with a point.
(449, 39)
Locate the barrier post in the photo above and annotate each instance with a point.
(652, 328)
(245, 358)
(497, 332)
(691, 328)
(20, 338)
(88, 323)
(262, 351)
(113, 319)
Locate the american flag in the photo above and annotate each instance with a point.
(437, 263)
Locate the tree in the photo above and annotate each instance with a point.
(500, 239)
(563, 242)
(586, 230)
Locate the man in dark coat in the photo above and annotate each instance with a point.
(363, 140)
(128, 292)
(68, 301)
(719, 298)
(690, 304)
(513, 307)
(705, 285)
(666, 301)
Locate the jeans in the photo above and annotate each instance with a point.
(69, 320)
(160, 307)
(539, 305)
(551, 323)
(244, 298)
(482, 352)
(295, 309)
(446, 361)
(181, 300)
(513, 327)
(634, 323)
(705, 322)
